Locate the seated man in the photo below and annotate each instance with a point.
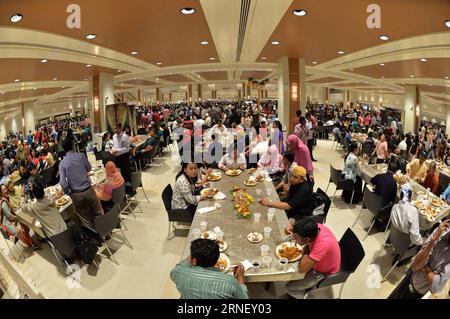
(233, 159)
(417, 169)
(321, 255)
(197, 278)
(287, 164)
(431, 180)
(446, 195)
(430, 270)
(385, 184)
(146, 151)
(44, 210)
(299, 198)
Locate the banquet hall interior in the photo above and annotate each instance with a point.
(369, 78)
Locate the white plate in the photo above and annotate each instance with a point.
(222, 245)
(238, 171)
(290, 244)
(255, 237)
(211, 235)
(228, 262)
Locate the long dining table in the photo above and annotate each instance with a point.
(369, 171)
(236, 230)
(66, 210)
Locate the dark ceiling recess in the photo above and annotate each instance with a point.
(245, 8)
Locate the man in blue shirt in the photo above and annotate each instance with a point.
(74, 180)
(446, 194)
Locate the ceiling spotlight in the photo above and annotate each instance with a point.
(263, 58)
(352, 69)
(429, 84)
(91, 36)
(423, 60)
(411, 76)
(88, 65)
(381, 64)
(158, 63)
(16, 18)
(383, 37)
(314, 62)
(85, 79)
(212, 59)
(446, 77)
(44, 61)
(187, 11)
(382, 77)
(119, 71)
(300, 12)
(134, 52)
(447, 23)
(340, 52)
(204, 43)
(275, 42)
(54, 79)
(17, 80)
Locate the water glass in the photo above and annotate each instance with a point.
(283, 263)
(204, 225)
(264, 250)
(258, 192)
(270, 214)
(219, 235)
(196, 233)
(266, 261)
(256, 265)
(267, 231)
(257, 217)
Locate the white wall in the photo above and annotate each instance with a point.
(14, 124)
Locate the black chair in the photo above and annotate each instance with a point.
(98, 156)
(341, 184)
(400, 243)
(105, 225)
(444, 180)
(119, 196)
(175, 215)
(136, 182)
(322, 218)
(321, 132)
(352, 253)
(367, 148)
(374, 203)
(6, 238)
(63, 246)
(336, 140)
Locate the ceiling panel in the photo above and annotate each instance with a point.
(326, 80)
(256, 75)
(175, 78)
(140, 82)
(27, 93)
(214, 76)
(434, 89)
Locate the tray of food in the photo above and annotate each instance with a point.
(430, 213)
(251, 170)
(260, 178)
(233, 172)
(211, 192)
(419, 204)
(291, 251)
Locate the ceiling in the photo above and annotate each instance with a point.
(239, 35)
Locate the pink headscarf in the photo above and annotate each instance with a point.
(271, 159)
(301, 152)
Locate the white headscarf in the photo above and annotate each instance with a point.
(405, 190)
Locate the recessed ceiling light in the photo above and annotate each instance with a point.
(446, 77)
(91, 36)
(275, 42)
(85, 79)
(263, 58)
(212, 59)
(88, 65)
(187, 11)
(314, 62)
(134, 52)
(382, 77)
(119, 71)
(340, 52)
(17, 80)
(300, 12)
(447, 23)
(411, 76)
(352, 69)
(158, 63)
(429, 84)
(54, 79)
(383, 37)
(204, 43)
(381, 64)
(423, 60)
(16, 18)
(44, 61)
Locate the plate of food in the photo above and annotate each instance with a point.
(223, 263)
(62, 201)
(429, 212)
(291, 251)
(222, 245)
(255, 237)
(213, 177)
(420, 193)
(419, 204)
(251, 170)
(210, 191)
(250, 182)
(233, 172)
(437, 202)
(209, 235)
(260, 178)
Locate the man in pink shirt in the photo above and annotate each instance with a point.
(321, 255)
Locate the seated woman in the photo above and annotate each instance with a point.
(183, 193)
(113, 181)
(351, 171)
(54, 165)
(271, 160)
(299, 196)
(233, 159)
(8, 223)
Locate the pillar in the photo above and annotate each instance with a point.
(28, 117)
(101, 92)
(140, 96)
(239, 94)
(249, 89)
(244, 90)
(170, 97)
(412, 108)
(157, 95)
(2, 129)
(189, 98)
(199, 92)
(259, 99)
(346, 101)
(288, 90)
(447, 128)
(302, 84)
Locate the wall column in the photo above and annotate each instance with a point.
(447, 128)
(302, 85)
(2, 129)
(157, 95)
(28, 117)
(190, 100)
(412, 108)
(199, 93)
(101, 93)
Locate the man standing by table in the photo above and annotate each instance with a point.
(121, 148)
(74, 180)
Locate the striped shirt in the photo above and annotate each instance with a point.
(195, 282)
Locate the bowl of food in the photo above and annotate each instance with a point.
(213, 177)
(223, 263)
(260, 178)
(255, 237)
(211, 192)
(251, 181)
(291, 251)
(62, 201)
(233, 172)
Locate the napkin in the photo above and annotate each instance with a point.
(247, 265)
(219, 196)
(205, 210)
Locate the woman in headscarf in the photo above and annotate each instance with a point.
(301, 153)
(113, 181)
(271, 160)
(20, 154)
